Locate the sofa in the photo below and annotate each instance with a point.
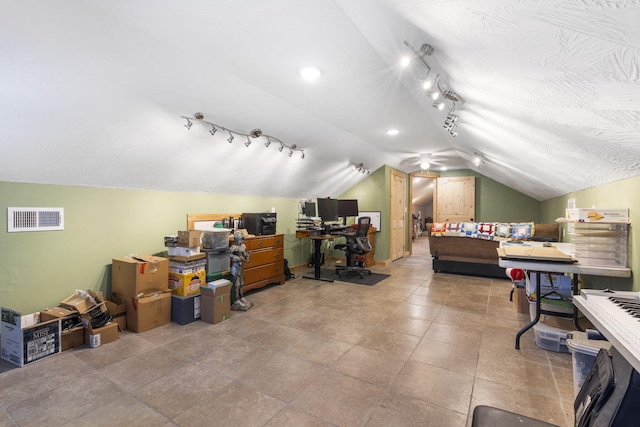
(470, 248)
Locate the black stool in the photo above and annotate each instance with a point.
(488, 416)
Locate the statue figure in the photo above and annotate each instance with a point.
(239, 256)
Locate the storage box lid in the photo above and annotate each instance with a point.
(578, 342)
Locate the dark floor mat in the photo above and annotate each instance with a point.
(351, 277)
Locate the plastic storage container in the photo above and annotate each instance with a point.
(218, 238)
(599, 244)
(583, 352)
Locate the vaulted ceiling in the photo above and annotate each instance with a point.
(93, 92)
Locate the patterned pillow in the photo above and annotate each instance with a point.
(503, 230)
(469, 229)
(522, 230)
(486, 230)
(438, 228)
(453, 229)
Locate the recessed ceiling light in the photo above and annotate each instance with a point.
(443, 168)
(392, 132)
(404, 62)
(310, 73)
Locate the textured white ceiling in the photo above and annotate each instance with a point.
(92, 92)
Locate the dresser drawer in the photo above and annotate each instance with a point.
(265, 256)
(262, 242)
(263, 272)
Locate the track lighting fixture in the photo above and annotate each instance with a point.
(255, 133)
(360, 167)
(435, 85)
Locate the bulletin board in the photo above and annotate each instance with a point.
(375, 218)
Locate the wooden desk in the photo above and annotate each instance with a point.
(317, 257)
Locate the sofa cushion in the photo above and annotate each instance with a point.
(454, 229)
(486, 230)
(469, 229)
(438, 228)
(523, 230)
(503, 229)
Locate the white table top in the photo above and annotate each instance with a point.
(563, 267)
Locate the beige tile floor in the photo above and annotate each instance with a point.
(416, 349)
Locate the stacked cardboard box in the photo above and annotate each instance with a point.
(142, 282)
(215, 301)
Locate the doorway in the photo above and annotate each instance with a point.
(422, 193)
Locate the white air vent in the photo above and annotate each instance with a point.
(35, 219)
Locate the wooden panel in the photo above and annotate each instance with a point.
(456, 199)
(265, 256)
(398, 212)
(192, 218)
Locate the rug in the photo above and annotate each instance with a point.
(352, 277)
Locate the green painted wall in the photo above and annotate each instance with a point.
(498, 203)
(38, 269)
(615, 195)
(373, 195)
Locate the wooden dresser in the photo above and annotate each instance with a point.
(266, 264)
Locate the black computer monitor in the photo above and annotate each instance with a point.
(347, 207)
(328, 209)
(309, 209)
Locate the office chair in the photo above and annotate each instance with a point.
(357, 244)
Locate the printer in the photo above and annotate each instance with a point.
(259, 224)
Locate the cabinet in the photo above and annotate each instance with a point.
(266, 263)
(370, 258)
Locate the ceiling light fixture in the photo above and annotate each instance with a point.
(255, 133)
(392, 132)
(360, 167)
(436, 87)
(310, 73)
(477, 159)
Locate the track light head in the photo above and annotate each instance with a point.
(213, 130)
(248, 142)
(302, 155)
(188, 125)
(230, 139)
(281, 147)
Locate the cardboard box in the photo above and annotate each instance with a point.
(195, 257)
(148, 312)
(24, 340)
(118, 310)
(215, 301)
(181, 251)
(143, 274)
(56, 313)
(98, 336)
(72, 338)
(187, 283)
(188, 239)
(79, 302)
(71, 329)
(597, 215)
(185, 309)
(189, 234)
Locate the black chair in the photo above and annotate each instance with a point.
(357, 244)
